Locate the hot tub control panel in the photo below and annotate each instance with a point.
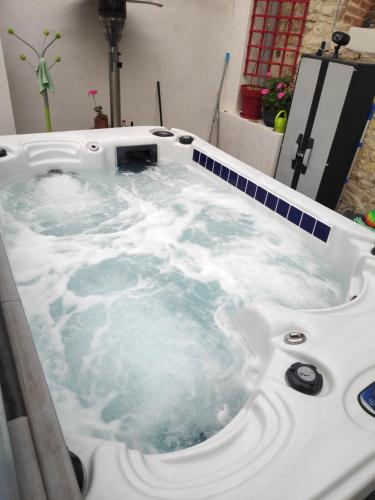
(366, 399)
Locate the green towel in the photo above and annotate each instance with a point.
(44, 76)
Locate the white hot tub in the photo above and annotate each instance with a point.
(269, 295)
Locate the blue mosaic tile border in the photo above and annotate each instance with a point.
(303, 220)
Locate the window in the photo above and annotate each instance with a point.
(275, 38)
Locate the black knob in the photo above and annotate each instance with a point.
(373, 251)
(304, 378)
(186, 139)
(3, 153)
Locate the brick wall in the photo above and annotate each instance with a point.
(359, 193)
(370, 18)
(355, 12)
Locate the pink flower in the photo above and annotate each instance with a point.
(280, 85)
(268, 74)
(92, 92)
(265, 91)
(280, 95)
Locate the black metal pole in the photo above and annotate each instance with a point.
(160, 107)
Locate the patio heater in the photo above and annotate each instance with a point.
(112, 15)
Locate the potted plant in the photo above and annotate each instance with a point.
(101, 120)
(251, 102)
(276, 96)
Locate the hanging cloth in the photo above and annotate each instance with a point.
(43, 75)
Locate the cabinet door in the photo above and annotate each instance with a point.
(330, 106)
(303, 95)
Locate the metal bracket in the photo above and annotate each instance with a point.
(298, 161)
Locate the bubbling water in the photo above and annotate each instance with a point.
(131, 283)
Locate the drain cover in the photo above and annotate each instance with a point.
(163, 133)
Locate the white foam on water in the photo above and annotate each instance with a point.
(131, 283)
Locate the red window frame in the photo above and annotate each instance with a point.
(275, 37)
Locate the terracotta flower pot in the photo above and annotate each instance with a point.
(101, 121)
(251, 102)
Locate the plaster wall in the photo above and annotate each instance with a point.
(7, 121)
(182, 45)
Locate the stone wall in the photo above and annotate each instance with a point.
(324, 17)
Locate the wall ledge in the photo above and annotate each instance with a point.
(250, 141)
